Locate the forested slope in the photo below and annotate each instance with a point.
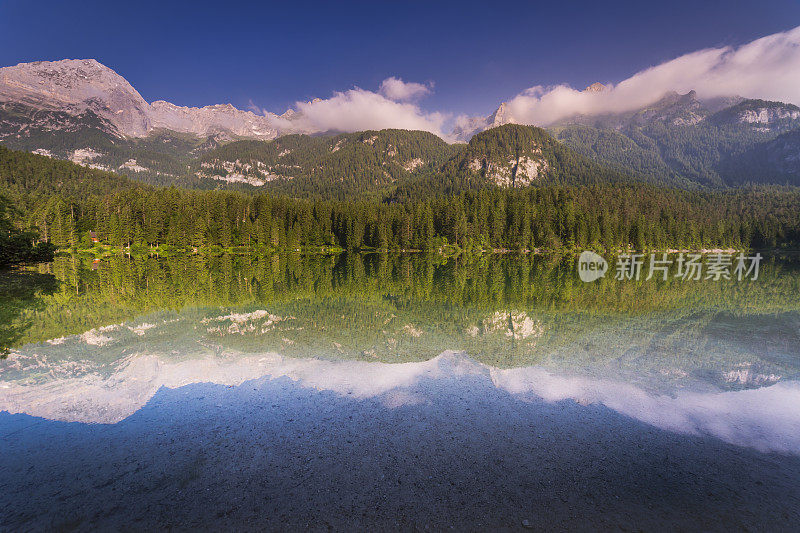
(66, 201)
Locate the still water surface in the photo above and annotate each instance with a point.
(512, 351)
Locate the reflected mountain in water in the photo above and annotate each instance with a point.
(697, 357)
(764, 418)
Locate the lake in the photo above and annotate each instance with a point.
(389, 391)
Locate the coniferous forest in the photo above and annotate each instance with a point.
(77, 207)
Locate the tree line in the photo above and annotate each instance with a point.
(552, 218)
(66, 202)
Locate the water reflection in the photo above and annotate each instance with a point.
(698, 357)
(764, 418)
(20, 293)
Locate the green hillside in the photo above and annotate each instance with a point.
(337, 166)
(29, 179)
(678, 142)
(775, 161)
(160, 158)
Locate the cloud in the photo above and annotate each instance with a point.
(358, 109)
(755, 418)
(764, 418)
(251, 106)
(399, 90)
(767, 68)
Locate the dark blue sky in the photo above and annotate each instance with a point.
(273, 53)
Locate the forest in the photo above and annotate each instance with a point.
(19, 246)
(546, 218)
(76, 207)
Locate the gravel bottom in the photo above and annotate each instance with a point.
(451, 454)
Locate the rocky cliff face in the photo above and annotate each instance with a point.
(761, 115)
(514, 172)
(211, 120)
(509, 155)
(75, 86)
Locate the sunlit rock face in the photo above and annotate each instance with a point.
(211, 119)
(516, 172)
(76, 86)
(467, 127)
(519, 167)
(766, 116)
(255, 173)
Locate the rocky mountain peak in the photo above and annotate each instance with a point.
(69, 74)
(596, 87)
(500, 116)
(77, 85)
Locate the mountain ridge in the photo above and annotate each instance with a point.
(86, 84)
(83, 111)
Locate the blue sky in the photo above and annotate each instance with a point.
(475, 53)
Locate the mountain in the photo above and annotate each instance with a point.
(596, 87)
(468, 127)
(90, 140)
(680, 140)
(78, 86)
(775, 161)
(351, 163)
(515, 156)
(672, 108)
(512, 156)
(31, 179)
(761, 115)
(85, 112)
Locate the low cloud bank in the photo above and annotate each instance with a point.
(767, 68)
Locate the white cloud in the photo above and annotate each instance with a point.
(399, 90)
(767, 68)
(764, 418)
(251, 106)
(358, 109)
